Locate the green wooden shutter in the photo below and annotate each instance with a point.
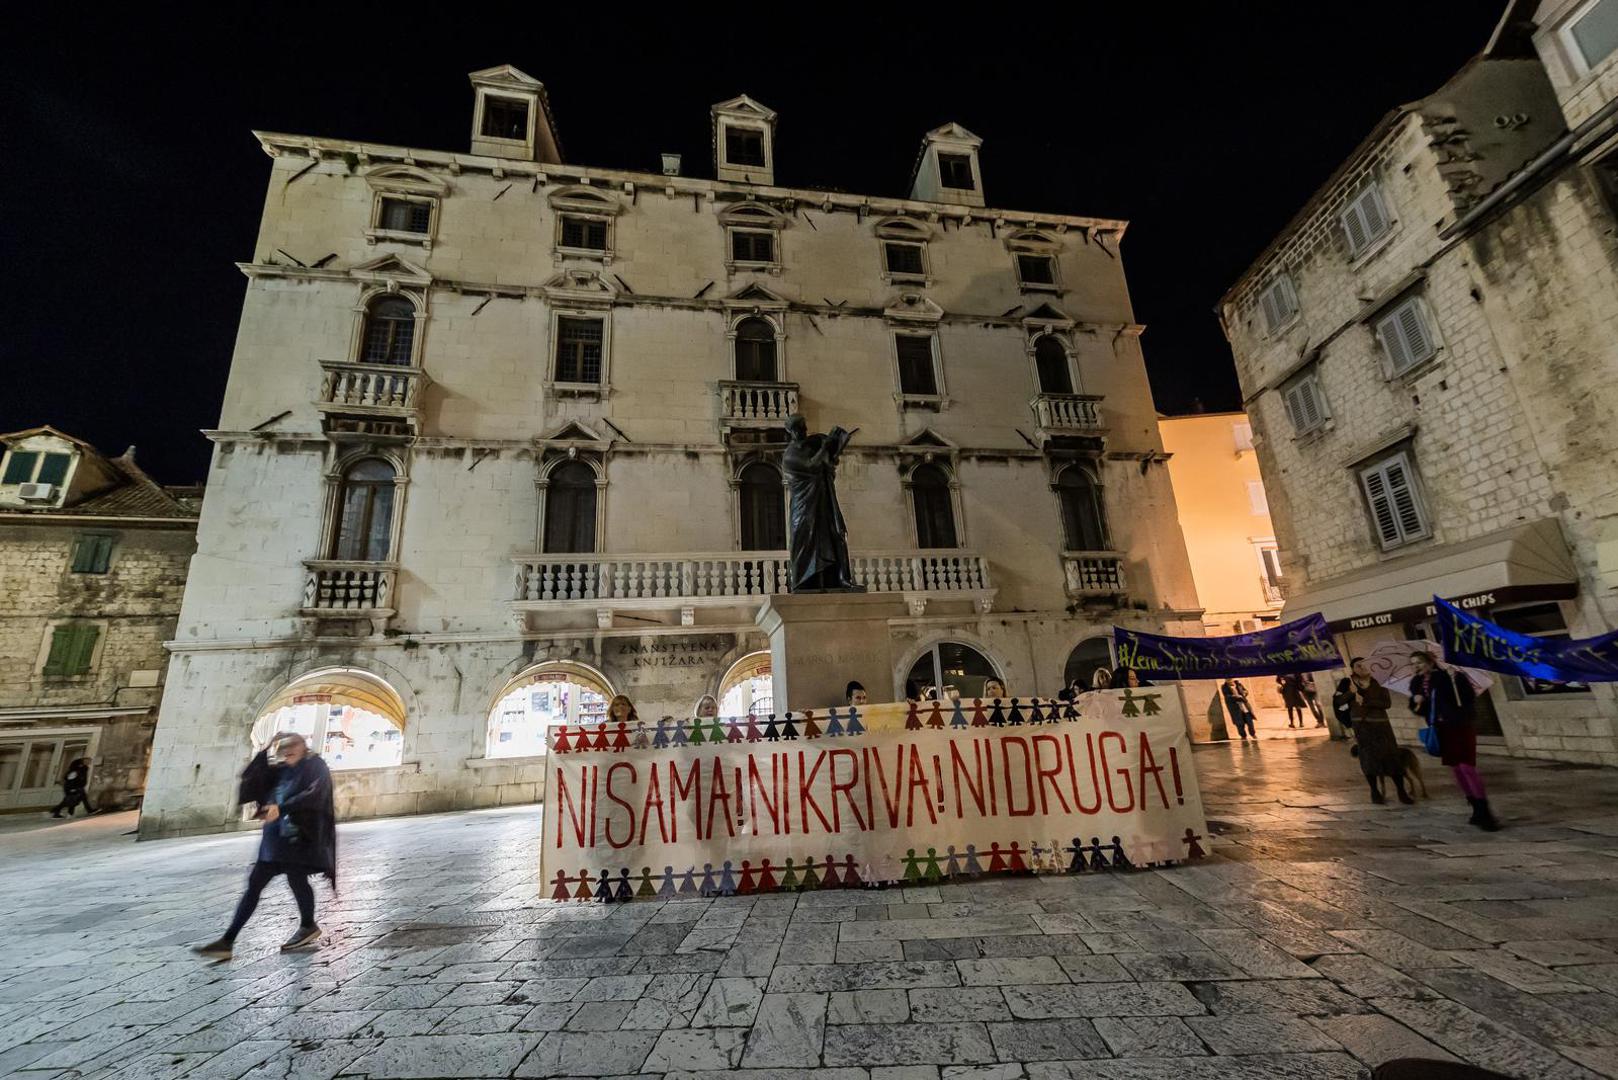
(72, 646)
(92, 555)
(62, 639)
(84, 648)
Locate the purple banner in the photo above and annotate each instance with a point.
(1473, 642)
(1304, 645)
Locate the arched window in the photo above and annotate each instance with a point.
(763, 508)
(560, 692)
(755, 351)
(934, 506)
(390, 329)
(570, 509)
(1083, 662)
(747, 689)
(1055, 377)
(1083, 523)
(351, 718)
(365, 512)
(951, 664)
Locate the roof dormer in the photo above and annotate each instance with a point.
(744, 141)
(947, 170)
(511, 117)
(44, 469)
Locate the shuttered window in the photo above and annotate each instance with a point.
(72, 646)
(916, 375)
(1306, 405)
(1365, 220)
(1390, 494)
(578, 350)
(1279, 303)
(92, 555)
(1406, 337)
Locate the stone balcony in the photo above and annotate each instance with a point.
(1067, 414)
(336, 589)
(688, 581)
(756, 404)
(1093, 575)
(370, 399)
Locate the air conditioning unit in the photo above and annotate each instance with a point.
(36, 492)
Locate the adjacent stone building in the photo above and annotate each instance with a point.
(502, 432)
(93, 556)
(1428, 356)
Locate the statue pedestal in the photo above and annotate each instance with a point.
(820, 641)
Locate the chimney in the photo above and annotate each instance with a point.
(671, 164)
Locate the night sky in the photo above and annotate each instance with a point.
(131, 183)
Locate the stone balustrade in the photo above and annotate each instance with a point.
(369, 386)
(757, 404)
(334, 587)
(1067, 413)
(635, 580)
(1093, 573)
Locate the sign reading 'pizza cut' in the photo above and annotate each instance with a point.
(886, 793)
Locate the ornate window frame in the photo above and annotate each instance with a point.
(390, 276)
(913, 314)
(579, 293)
(343, 458)
(1034, 242)
(739, 463)
(581, 201)
(409, 184)
(775, 319)
(1091, 466)
(947, 462)
(898, 230)
(1058, 327)
(753, 217)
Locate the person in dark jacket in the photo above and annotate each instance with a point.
(1239, 708)
(1126, 678)
(1436, 696)
(293, 790)
(1291, 687)
(1368, 703)
(74, 784)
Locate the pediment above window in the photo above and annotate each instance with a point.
(898, 228)
(912, 308)
(406, 180)
(581, 286)
(1046, 317)
(1032, 240)
(927, 438)
(392, 271)
(572, 433)
(584, 200)
(755, 298)
(753, 215)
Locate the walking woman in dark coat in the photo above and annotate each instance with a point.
(1291, 687)
(74, 784)
(1368, 704)
(1436, 696)
(293, 790)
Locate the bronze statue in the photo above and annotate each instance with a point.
(819, 536)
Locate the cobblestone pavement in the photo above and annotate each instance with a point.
(1324, 934)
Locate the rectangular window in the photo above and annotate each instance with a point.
(1306, 404)
(578, 350)
(1390, 494)
(1540, 621)
(405, 215)
(1243, 433)
(1279, 303)
(1256, 497)
(20, 467)
(744, 146)
(903, 258)
(955, 171)
(53, 468)
(752, 247)
(1592, 32)
(505, 118)
(1036, 269)
(72, 646)
(1271, 558)
(1405, 335)
(1365, 220)
(92, 555)
(917, 378)
(589, 234)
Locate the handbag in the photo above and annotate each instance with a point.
(1429, 734)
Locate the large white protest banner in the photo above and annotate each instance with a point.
(885, 793)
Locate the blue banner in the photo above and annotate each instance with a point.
(1478, 643)
(1304, 645)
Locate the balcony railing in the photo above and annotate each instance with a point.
(1067, 413)
(1093, 573)
(337, 588)
(757, 404)
(1274, 591)
(374, 393)
(696, 579)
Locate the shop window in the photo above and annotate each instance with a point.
(1538, 621)
(542, 698)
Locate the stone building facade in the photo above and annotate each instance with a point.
(1427, 356)
(93, 556)
(502, 432)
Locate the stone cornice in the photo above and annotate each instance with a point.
(276, 143)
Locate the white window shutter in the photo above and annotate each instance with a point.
(1393, 342)
(1272, 315)
(1403, 499)
(1309, 388)
(1382, 515)
(1376, 218)
(1354, 226)
(1256, 497)
(1294, 400)
(1413, 324)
